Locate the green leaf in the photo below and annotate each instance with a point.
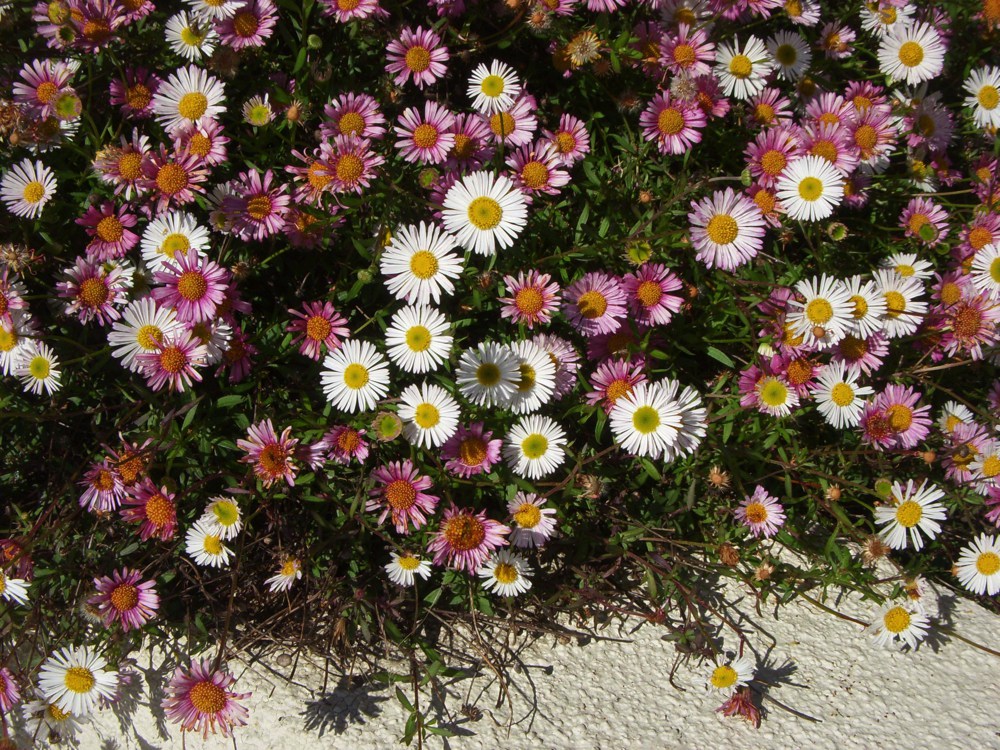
(404, 701)
(653, 472)
(720, 356)
(230, 400)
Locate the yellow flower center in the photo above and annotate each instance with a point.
(192, 285)
(534, 446)
(649, 293)
(192, 37)
(79, 679)
(33, 192)
(212, 544)
(173, 360)
(991, 467)
(148, 336)
(670, 121)
(426, 415)
(911, 54)
(245, 23)
(529, 301)
(355, 376)
(400, 494)
(900, 417)
(968, 322)
(124, 597)
(193, 105)
(527, 381)
(535, 175)
(988, 563)
(908, 514)
(774, 393)
(351, 123)
(318, 328)
(485, 213)
(171, 179)
(505, 573)
(425, 135)
(527, 515)
(472, 451)
(722, 229)
(756, 513)
(46, 92)
(771, 163)
(895, 304)
(418, 59)
(616, 389)
(159, 510)
(786, 55)
(866, 137)
(810, 189)
(724, 677)
(408, 562)
(842, 394)
(259, 207)
(349, 168)
(684, 55)
(824, 149)
(423, 264)
(592, 304)
(463, 532)
(646, 419)
(988, 97)
(502, 124)
(740, 66)
(492, 86)
(207, 697)
(349, 440)
(130, 166)
(565, 142)
(39, 368)
(226, 512)
(896, 620)
(418, 339)
(93, 292)
(289, 568)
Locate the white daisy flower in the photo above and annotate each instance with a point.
(75, 678)
(838, 396)
(909, 264)
(881, 18)
(190, 37)
(38, 369)
(825, 315)
(257, 111)
(903, 310)
(983, 86)
(775, 396)
(355, 376)
(493, 88)
(913, 510)
(429, 413)
(912, 54)
(810, 188)
(898, 624)
(404, 569)
(734, 674)
(212, 10)
(289, 572)
(169, 234)
(417, 339)
(488, 375)
(483, 211)
(506, 573)
(26, 187)
(189, 96)
(142, 326)
(645, 422)
(223, 518)
(978, 566)
(214, 335)
(694, 419)
(205, 546)
(15, 341)
(986, 270)
(743, 72)
(42, 714)
(869, 306)
(534, 447)
(791, 53)
(418, 264)
(13, 589)
(536, 378)
(985, 467)
(953, 414)
(532, 524)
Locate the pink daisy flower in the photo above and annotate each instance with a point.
(571, 139)
(199, 699)
(471, 148)
(835, 40)
(993, 506)
(612, 380)
(12, 293)
(42, 81)
(687, 52)
(346, 443)
(832, 143)
(532, 524)
(348, 10)
(417, 53)
(892, 420)
(193, 285)
(95, 22)
(314, 177)
(125, 598)
(53, 22)
(968, 325)
(648, 292)
(672, 124)
(830, 108)
(355, 115)
(238, 356)
(465, 539)
(770, 108)
(425, 139)
(965, 443)
(109, 229)
(537, 169)
(205, 140)
(271, 456)
(710, 96)
(924, 221)
(566, 359)
(155, 509)
(320, 325)
(727, 230)
(93, 292)
(767, 201)
(865, 95)
(533, 298)
(352, 163)
(399, 491)
(249, 26)
(650, 37)
(867, 353)
(134, 94)
(983, 229)
(874, 135)
(761, 513)
(102, 488)
(594, 304)
(172, 179)
(470, 451)
(136, 9)
(10, 696)
(173, 363)
(929, 124)
(516, 125)
(770, 152)
(258, 207)
(121, 166)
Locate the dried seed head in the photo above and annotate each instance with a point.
(929, 457)
(832, 493)
(763, 571)
(729, 555)
(873, 550)
(718, 478)
(591, 485)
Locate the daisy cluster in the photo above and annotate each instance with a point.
(480, 263)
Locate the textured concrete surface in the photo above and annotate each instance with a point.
(846, 694)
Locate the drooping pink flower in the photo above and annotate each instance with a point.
(470, 451)
(892, 420)
(465, 539)
(272, 457)
(125, 598)
(199, 699)
(103, 488)
(10, 696)
(154, 508)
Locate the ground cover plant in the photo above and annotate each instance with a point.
(342, 325)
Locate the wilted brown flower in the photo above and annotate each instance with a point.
(729, 555)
